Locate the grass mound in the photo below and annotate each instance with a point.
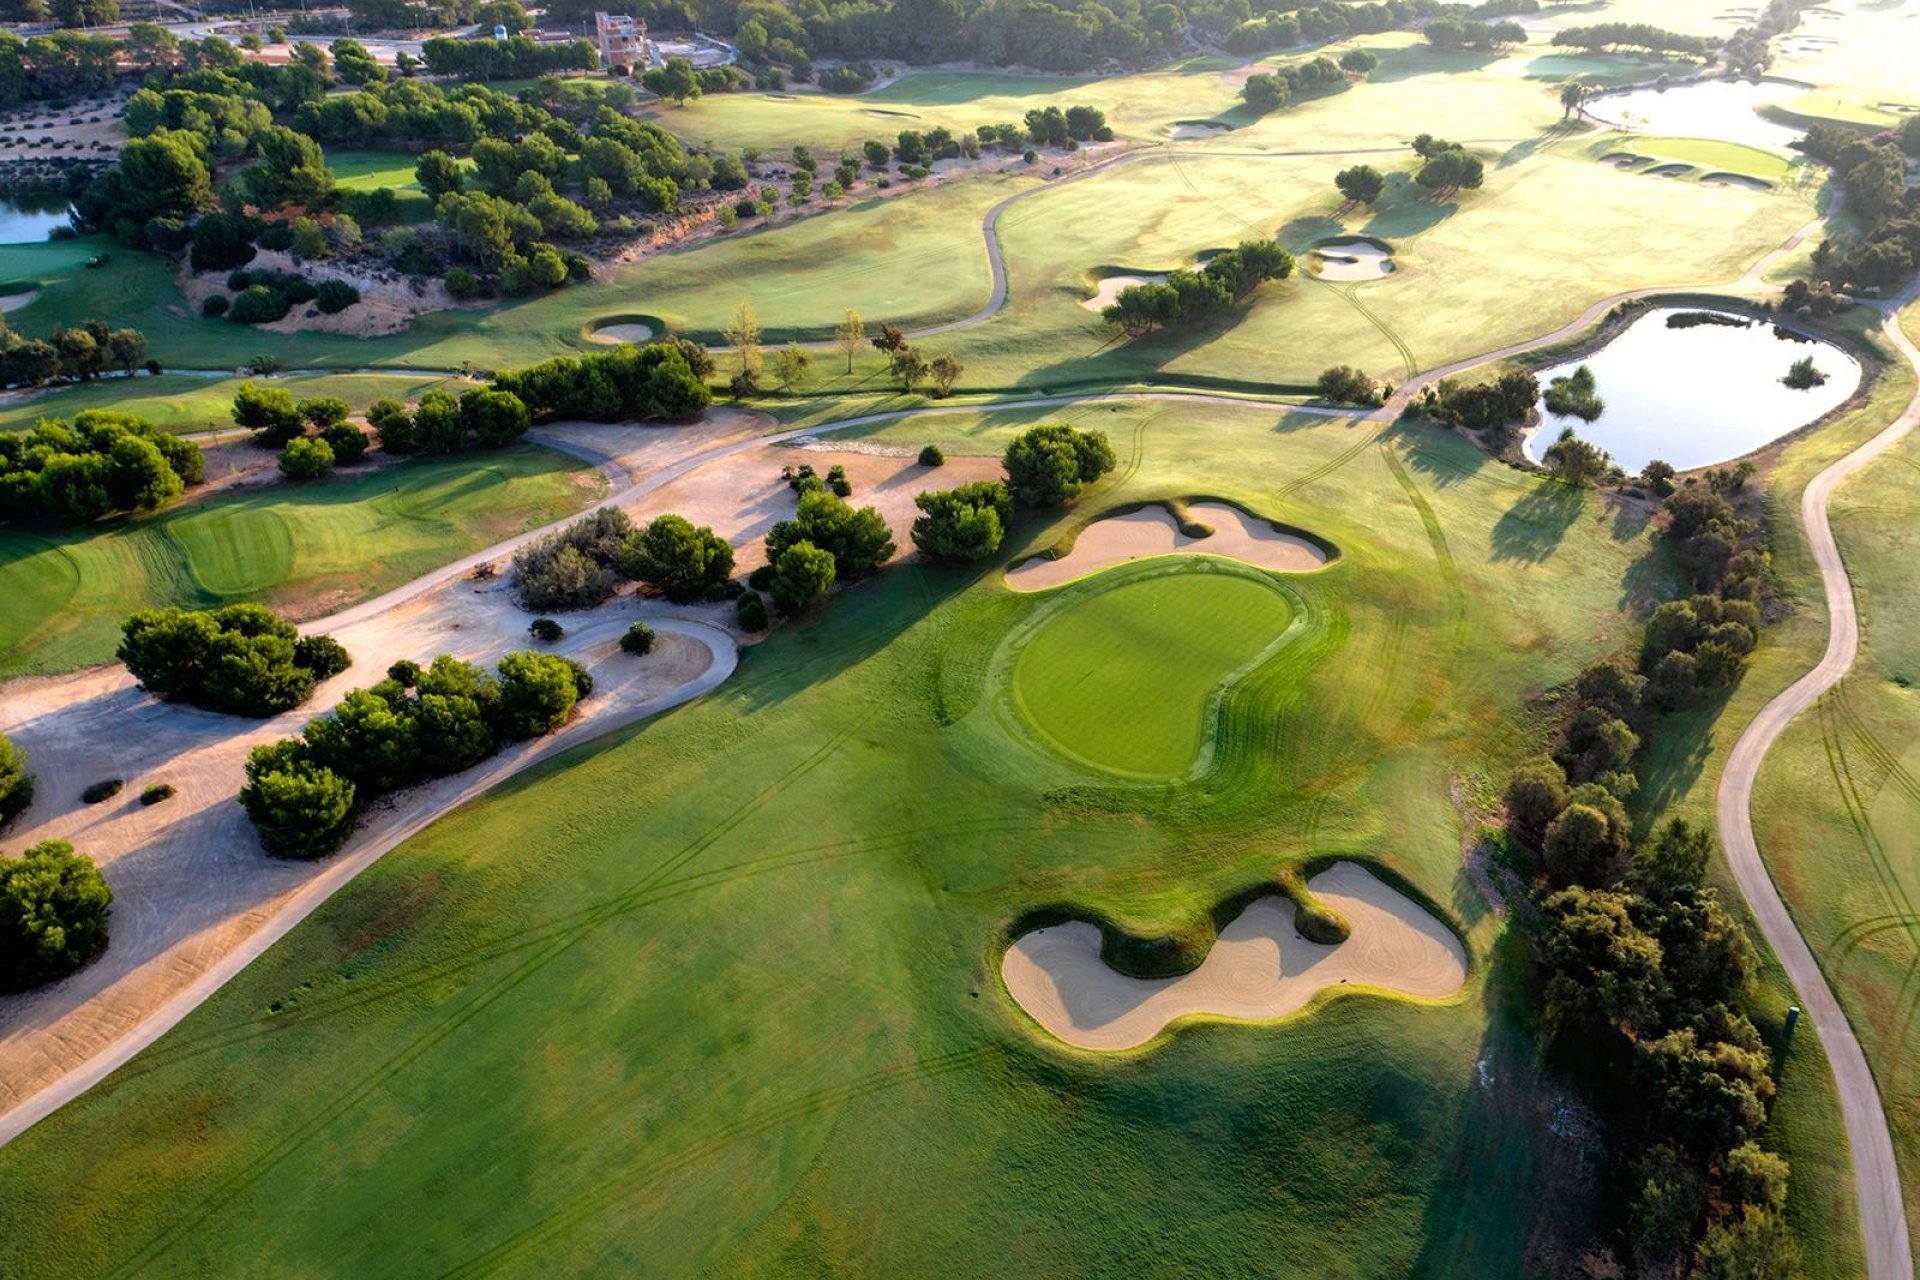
(1123, 678)
(1316, 921)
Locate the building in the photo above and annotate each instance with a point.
(622, 39)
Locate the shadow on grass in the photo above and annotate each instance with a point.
(1442, 458)
(1407, 210)
(1675, 758)
(1532, 529)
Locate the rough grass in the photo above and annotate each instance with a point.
(716, 993)
(306, 549)
(1123, 674)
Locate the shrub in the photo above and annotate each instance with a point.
(390, 418)
(964, 523)
(638, 639)
(574, 568)
(300, 809)
(240, 659)
(304, 459)
(334, 296)
(751, 613)
(681, 561)
(101, 792)
(545, 630)
(464, 286)
(268, 412)
(16, 784)
(930, 456)
(1344, 384)
(348, 442)
(323, 656)
(537, 693)
(802, 573)
(257, 304)
(838, 483)
(53, 914)
(1047, 466)
(215, 306)
(156, 793)
(494, 417)
(858, 540)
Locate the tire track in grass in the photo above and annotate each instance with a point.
(1331, 465)
(1421, 709)
(478, 1002)
(611, 1192)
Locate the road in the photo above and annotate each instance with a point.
(1876, 1174)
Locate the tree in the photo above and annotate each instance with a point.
(802, 573)
(680, 560)
(676, 80)
(292, 170)
(1582, 844)
(1344, 384)
(1572, 94)
(53, 914)
(1753, 1245)
(1575, 461)
(909, 368)
(1264, 92)
(298, 808)
(305, 458)
(1359, 62)
(268, 412)
(851, 334)
(1603, 971)
(857, 539)
(321, 412)
(1536, 793)
(1047, 466)
(963, 523)
(495, 417)
(792, 367)
(1451, 170)
(743, 335)
(1674, 862)
(537, 694)
(16, 784)
(241, 659)
(348, 442)
(438, 174)
(437, 424)
(1361, 184)
(945, 369)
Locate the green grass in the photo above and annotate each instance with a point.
(181, 403)
(370, 170)
(717, 993)
(1124, 677)
(1722, 157)
(1832, 106)
(308, 549)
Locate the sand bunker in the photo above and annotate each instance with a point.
(15, 301)
(1669, 170)
(1352, 259)
(1259, 968)
(1199, 129)
(1625, 159)
(616, 333)
(1152, 531)
(1109, 288)
(1740, 180)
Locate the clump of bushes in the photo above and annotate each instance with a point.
(964, 523)
(659, 380)
(1187, 295)
(638, 639)
(1048, 466)
(101, 462)
(856, 541)
(1344, 384)
(53, 914)
(751, 612)
(304, 795)
(1498, 406)
(574, 568)
(241, 659)
(676, 558)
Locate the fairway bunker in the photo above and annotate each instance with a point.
(1353, 258)
(1260, 968)
(622, 331)
(1186, 130)
(1153, 531)
(1669, 170)
(1625, 159)
(1110, 287)
(1740, 180)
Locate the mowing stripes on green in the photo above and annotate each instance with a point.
(1124, 679)
(234, 551)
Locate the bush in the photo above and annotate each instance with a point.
(858, 540)
(395, 425)
(157, 792)
(545, 630)
(651, 381)
(681, 561)
(537, 693)
(638, 639)
(1344, 384)
(215, 306)
(298, 808)
(802, 573)
(334, 296)
(965, 523)
(53, 914)
(574, 568)
(348, 442)
(930, 456)
(16, 784)
(304, 459)
(323, 656)
(1047, 466)
(751, 613)
(101, 792)
(240, 659)
(257, 304)
(464, 286)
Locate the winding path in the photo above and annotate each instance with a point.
(1876, 1172)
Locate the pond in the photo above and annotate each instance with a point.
(1725, 110)
(28, 221)
(1700, 394)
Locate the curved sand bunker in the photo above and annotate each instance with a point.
(1260, 968)
(1198, 129)
(617, 333)
(1740, 180)
(1352, 259)
(1108, 291)
(1668, 170)
(1152, 531)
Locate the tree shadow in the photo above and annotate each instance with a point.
(1419, 61)
(1521, 150)
(1407, 210)
(1533, 528)
(1299, 234)
(1441, 457)
(1676, 757)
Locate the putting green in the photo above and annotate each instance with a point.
(1124, 679)
(234, 551)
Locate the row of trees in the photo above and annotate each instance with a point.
(242, 659)
(75, 353)
(1498, 406)
(101, 462)
(659, 380)
(1266, 91)
(305, 795)
(1469, 33)
(1873, 171)
(1605, 36)
(1225, 280)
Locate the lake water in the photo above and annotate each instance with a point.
(1700, 395)
(28, 223)
(1719, 109)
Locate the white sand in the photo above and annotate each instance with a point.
(616, 333)
(1152, 531)
(1740, 180)
(1351, 260)
(1199, 129)
(1259, 969)
(15, 301)
(1109, 289)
